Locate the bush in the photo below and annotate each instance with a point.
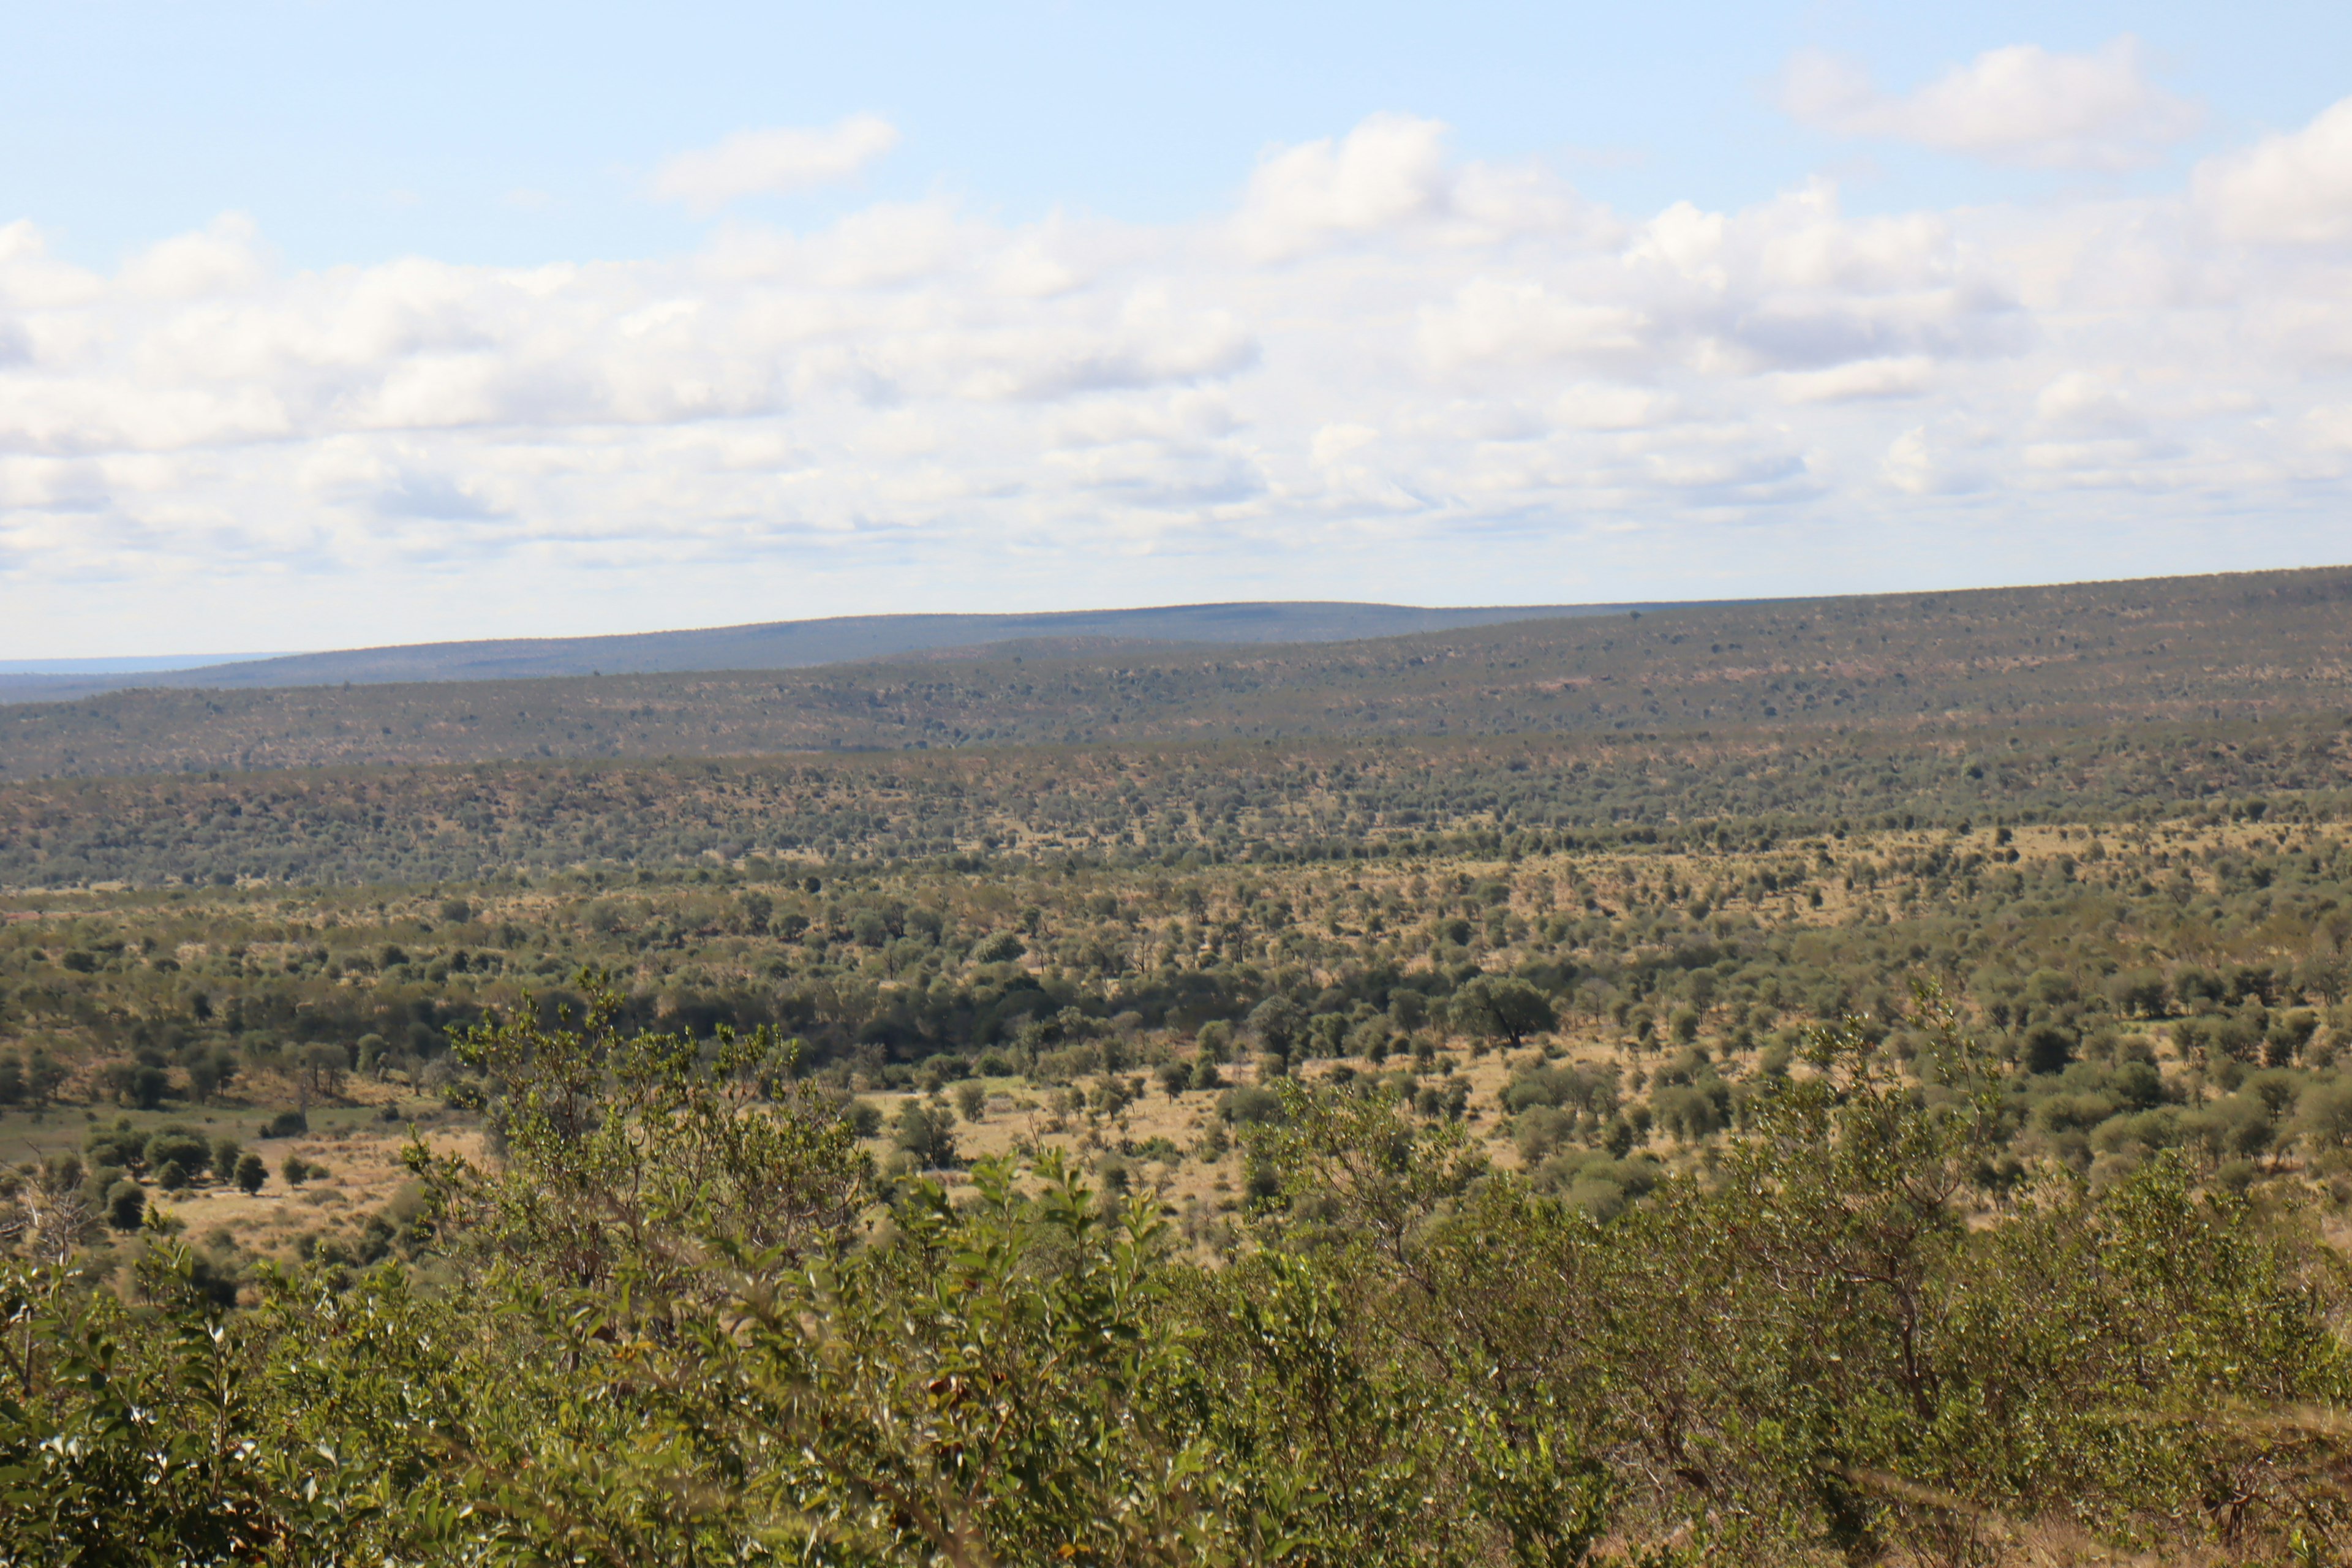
(1583, 1089)
(295, 1170)
(251, 1172)
(286, 1124)
(1693, 1111)
(1503, 1009)
(1251, 1106)
(926, 1135)
(1539, 1130)
(126, 1204)
(178, 1146)
(1002, 948)
(117, 1145)
(2045, 1048)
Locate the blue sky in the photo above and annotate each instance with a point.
(518, 134)
(323, 323)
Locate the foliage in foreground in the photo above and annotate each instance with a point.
(681, 1323)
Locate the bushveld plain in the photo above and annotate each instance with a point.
(1845, 1081)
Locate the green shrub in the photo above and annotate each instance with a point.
(126, 1204)
(178, 1146)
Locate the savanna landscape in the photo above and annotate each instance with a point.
(1810, 1121)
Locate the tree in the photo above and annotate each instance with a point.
(926, 1135)
(2323, 1116)
(177, 1146)
(146, 1086)
(1503, 1008)
(323, 1065)
(251, 1172)
(1175, 1077)
(1278, 1022)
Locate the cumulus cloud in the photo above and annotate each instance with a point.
(2021, 105)
(1390, 178)
(224, 258)
(1387, 171)
(1384, 372)
(2291, 189)
(775, 162)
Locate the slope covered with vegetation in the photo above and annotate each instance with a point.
(2197, 649)
(1849, 1134)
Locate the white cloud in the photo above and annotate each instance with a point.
(1384, 373)
(1907, 376)
(224, 258)
(2086, 401)
(1488, 320)
(2292, 189)
(1388, 177)
(2020, 105)
(1921, 467)
(1386, 171)
(775, 161)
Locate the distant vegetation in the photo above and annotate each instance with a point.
(1128, 804)
(2200, 648)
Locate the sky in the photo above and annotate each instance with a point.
(327, 325)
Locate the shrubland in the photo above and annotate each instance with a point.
(1946, 1192)
(1873, 1135)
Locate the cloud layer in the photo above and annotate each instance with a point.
(1384, 372)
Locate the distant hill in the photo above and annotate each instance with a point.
(2239, 647)
(791, 645)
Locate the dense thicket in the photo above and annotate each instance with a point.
(667, 1327)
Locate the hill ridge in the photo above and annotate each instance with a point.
(2248, 646)
(798, 644)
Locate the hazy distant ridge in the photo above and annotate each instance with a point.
(2245, 647)
(796, 645)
